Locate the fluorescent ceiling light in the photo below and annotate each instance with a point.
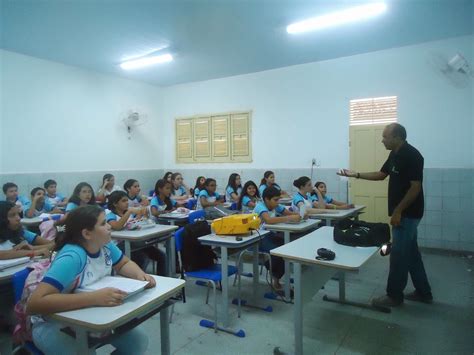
(146, 61)
(338, 18)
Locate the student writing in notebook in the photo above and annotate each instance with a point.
(135, 199)
(249, 197)
(271, 212)
(54, 198)
(15, 241)
(120, 214)
(329, 201)
(85, 255)
(269, 180)
(234, 188)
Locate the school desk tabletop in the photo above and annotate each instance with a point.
(99, 319)
(174, 218)
(225, 242)
(156, 234)
(285, 200)
(287, 229)
(303, 251)
(335, 215)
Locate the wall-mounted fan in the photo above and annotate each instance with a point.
(455, 69)
(133, 119)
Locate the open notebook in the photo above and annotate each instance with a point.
(131, 286)
(5, 264)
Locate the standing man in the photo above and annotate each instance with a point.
(405, 207)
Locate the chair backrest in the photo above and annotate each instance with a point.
(233, 206)
(178, 239)
(191, 203)
(18, 281)
(151, 192)
(193, 216)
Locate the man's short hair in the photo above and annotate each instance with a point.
(398, 131)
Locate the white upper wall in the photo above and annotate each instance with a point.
(62, 118)
(301, 112)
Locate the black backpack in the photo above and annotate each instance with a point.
(361, 234)
(194, 255)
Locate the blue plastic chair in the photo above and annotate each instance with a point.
(211, 276)
(195, 215)
(18, 281)
(233, 206)
(191, 204)
(151, 192)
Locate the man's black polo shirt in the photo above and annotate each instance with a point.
(404, 166)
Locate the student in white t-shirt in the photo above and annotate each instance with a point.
(108, 186)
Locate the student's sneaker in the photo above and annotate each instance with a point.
(386, 301)
(415, 296)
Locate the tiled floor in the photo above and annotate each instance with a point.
(445, 327)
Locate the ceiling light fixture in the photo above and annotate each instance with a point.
(338, 18)
(146, 61)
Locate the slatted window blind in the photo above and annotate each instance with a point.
(373, 111)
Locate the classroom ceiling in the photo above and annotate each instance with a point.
(214, 38)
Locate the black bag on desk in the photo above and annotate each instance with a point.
(194, 255)
(361, 234)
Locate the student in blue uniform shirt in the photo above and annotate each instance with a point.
(330, 202)
(303, 200)
(10, 190)
(15, 241)
(179, 191)
(208, 197)
(132, 188)
(269, 180)
(162, 202)
(199, 186)
(85, 255)
(82, 195)
(271, 212)
(234, 188)
(39, 204)
(120, 214)
(249, 197)
(108, 186)
(54, 198)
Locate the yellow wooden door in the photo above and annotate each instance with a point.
(367, 153)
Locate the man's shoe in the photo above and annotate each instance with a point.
(386, 301)
(415, 296)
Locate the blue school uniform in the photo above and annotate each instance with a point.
(196, 192)
(71, 206)
(20, 201)
(229, 191)
(180, 191)
(327, 199)
(245, 204)
(261, 207)
(135, 202)
(264, 186)
(307, 199)
(161, 205)
(208, 198)
(25, 235)
(53, 201)
(47, 207)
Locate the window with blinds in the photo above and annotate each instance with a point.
(214, 138)
(373, 111)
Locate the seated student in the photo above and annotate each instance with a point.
(82, 195)
(329, 201)
(161, 202)
(249, 197)
(269, 180)
(167, 176)
(54, 198)
(304, 199)
(10, 190)
(85, 255)
(132, 188)
(118, 217)
(271, 212)
(208, 197)
(39, 204)
(179, 191)
(108, 186)
(199, 186)
(233, 189)
(15, 241)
